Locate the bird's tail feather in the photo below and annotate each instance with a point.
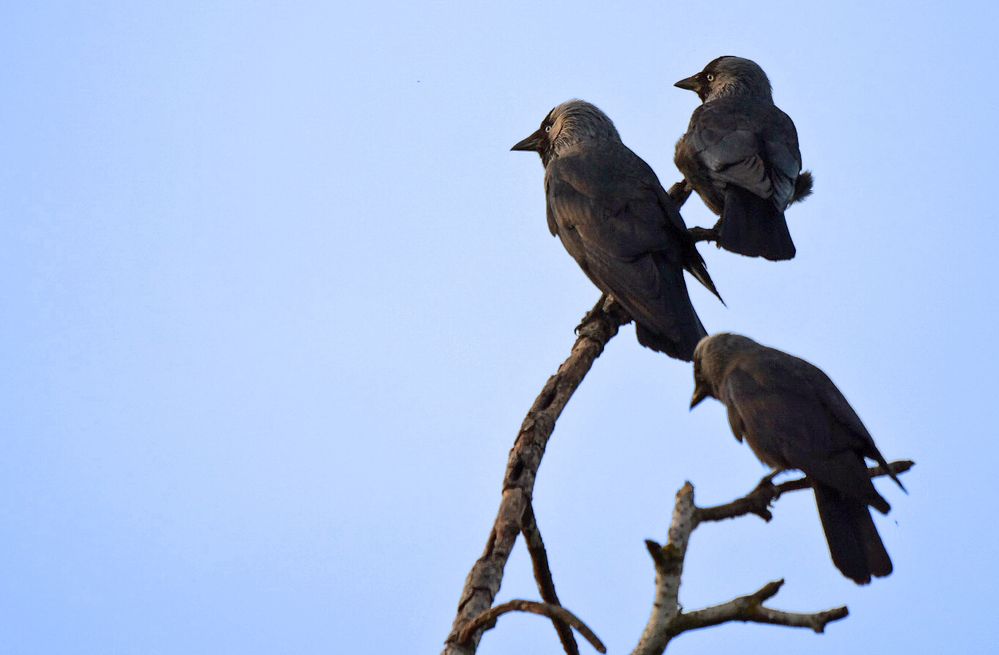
(854, 543)
(752, 226)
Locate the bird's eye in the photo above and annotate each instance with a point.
(548, 128)
(711, 77)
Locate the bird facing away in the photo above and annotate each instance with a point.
(611, 213)
(740, 154)
(793, 416)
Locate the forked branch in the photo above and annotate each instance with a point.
(668, 620)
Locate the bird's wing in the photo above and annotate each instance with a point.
(612, 203)
(843, 413)
(616, 206)
(727, 141)
(787, 424)
(780, 139)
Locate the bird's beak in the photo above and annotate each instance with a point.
(531, 143)
(700, 393)
(689, 83)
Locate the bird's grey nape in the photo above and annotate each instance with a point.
(576, 121)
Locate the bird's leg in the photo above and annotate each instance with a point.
(590, 315)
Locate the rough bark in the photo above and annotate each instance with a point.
(483, 582)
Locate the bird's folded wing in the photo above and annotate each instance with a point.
(785, 420)
(614, 209)
(781, 144)
(729, 144)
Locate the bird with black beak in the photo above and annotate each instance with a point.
(740, 154)
(611, 213)
(793, 417)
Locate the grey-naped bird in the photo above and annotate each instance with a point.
(614, 217)
(793, 416)
(740, 154)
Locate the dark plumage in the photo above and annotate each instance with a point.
(614, 217)
(793, 416)
(740, 154)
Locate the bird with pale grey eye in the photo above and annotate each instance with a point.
(611, 213)
(740, 154)
(793, 417)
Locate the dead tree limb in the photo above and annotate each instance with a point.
(758, 500)
(598, 327)
(487, 619)
(699, 234)
(668, 620)
(543, 576)
(750, 609)
(483, 582)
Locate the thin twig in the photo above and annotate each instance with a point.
(543, 575)
(680, 191)
(750, 609)
(758, 500)
(487, 620)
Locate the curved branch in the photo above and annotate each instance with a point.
(483, 581)
(543, 576)
(487, 620)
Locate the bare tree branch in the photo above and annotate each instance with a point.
(543, 575)
(758, 500)
(487, 620)
(598, 327)
(680, 191)
(668, 561)
(668, 620)
(484, 580)
(750, 609)
(699, 234)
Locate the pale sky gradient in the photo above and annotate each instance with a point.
(276, 296)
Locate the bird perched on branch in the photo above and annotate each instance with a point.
(793, 416)
(614, 217)
(740, 154)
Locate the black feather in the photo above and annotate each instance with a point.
(803, 186)
(752, 226)
(854, 543)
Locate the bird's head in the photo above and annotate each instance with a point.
(712, 359)
(566, 125)
(728, 76)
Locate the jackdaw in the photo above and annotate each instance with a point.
(740, 154)
(614, 217)
(793, 416)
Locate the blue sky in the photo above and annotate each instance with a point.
(277, 295)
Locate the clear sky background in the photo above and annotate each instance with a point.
(276, 297)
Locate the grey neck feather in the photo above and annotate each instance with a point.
(579, 122)
(734, 87)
